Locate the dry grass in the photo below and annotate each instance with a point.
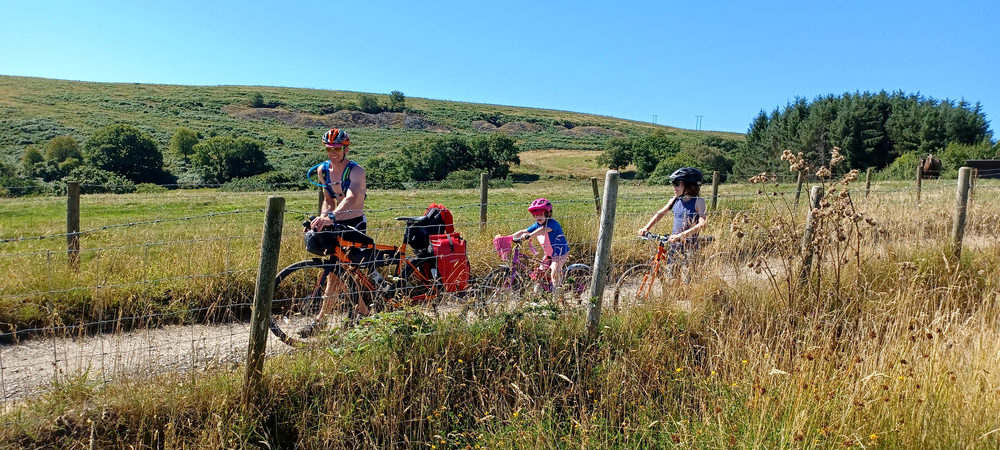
(902, 354)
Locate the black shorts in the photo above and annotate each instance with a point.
(359, 223)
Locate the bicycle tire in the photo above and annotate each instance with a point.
(495, 293)
(638, 285)
(298, 297)
(576, 283)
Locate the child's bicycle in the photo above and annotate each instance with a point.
(642, 281)
(506, 287)
(379, 275)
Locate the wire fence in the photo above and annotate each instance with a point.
(169, 286)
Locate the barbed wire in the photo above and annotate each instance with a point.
(131, 224)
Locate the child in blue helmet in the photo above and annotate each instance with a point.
(688, 209)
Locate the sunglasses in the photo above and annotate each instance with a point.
(335, 149)
(677, 183)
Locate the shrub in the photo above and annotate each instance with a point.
(369, 104)
(31, 157)
(220, 159)
(150, 188)
(257, 100)
(61, 148)
(98, 181)
(903, 168)
(268, 181)
(12, 186)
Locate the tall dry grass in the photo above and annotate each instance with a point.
(890, 343)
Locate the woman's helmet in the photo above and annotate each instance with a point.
(689, 175)
(540, 204)
(336, 138)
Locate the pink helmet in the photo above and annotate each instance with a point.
(540, 204)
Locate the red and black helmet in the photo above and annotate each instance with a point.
(336, 138)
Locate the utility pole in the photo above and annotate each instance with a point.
(654, 119)
(697, 125)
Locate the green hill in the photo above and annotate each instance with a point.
(34, 110)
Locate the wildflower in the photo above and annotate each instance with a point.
(744, 361)
(439, 370)
(873, 436)
(835, 156)
(680, 369)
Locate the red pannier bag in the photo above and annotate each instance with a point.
(452, 261)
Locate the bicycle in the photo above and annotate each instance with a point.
(504, 288)
(663, 270)
(379, 275)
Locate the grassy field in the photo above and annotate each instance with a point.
(890, 343)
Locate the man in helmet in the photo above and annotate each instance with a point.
(687, 207)
(344, 190)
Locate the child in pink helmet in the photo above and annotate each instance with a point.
(550, 234)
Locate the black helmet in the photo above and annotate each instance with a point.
(688, 175)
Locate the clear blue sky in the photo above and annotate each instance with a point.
(723, 60)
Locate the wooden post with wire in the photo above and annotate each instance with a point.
(319, 207)
(920, 179)
(715, 188)
(815, 195)
(260, 314)
(597, 194)
(961, 210)
(484, 197)
(602, 257)
(73, 224)
(868, 181)
(798, 190)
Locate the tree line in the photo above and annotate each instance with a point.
(120, 158)
(871, 130)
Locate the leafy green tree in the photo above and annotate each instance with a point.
(493, 153)
(434, 158)
(369, 104)
(384, 172)
(183, 142)
(31, 157)
(125, 150)
(61, 148)
(222, 158)
(648, 151)
(703, 157)
(617, 154)
(397, 101)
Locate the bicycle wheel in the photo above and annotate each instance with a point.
(497, 292)
(299, 290)
(640, 284)
(576, 284)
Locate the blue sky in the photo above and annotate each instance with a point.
(722, 60)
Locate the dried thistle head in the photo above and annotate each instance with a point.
(823, 172)
(835, 157)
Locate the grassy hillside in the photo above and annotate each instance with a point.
(33, 110)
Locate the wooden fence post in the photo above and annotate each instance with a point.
(815, 195)
(920, 178)
(798, 190)
(484, 197)
(602, 257)
(261, 311)
(319, 207)
(73, 224)
(597, 194)
(868, 181)
(961, 209)
(715, 188)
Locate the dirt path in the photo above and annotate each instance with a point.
(32, 367)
